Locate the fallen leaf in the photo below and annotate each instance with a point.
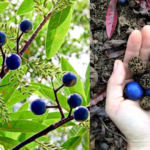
(97, 97)
(111, 18)
(114, 44)
(114, 54)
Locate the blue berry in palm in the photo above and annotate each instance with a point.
(69, 79)
(2, 38)
(74, 100)
(81, 113)
(26, 26)
(38, 107)
(13, 61)
(147, 92)
(122, 2)
(133, 90)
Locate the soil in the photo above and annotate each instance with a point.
(104, 133)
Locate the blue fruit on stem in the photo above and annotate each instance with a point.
(122, 2)
(26, 26)
(74, 100)
(81, 113)
(38, 107)
(133, 90)
(69, 79)
(2, 38)
(13, 61)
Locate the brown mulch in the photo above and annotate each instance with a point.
(104, 133)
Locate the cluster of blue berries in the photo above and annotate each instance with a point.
(81, 113)
(13, 61)
(139, 89)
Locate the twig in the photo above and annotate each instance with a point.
(18, 39)
(52, 107)
(3, 55)
(70, 112)
(59, 88)
(111, 130)
(60, 109)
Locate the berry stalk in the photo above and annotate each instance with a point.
(3, 55)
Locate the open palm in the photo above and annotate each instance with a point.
(130, 118)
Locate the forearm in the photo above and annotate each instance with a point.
(138, 146)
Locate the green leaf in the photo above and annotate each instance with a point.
(3, 6)
(22, 115)
(25, 7)
(86, 141)
(22, 126)
(67, 145)
(57, 29)
(8, 143)
(25, 106)
(83, 134)
(78, 88)
(17, 96)
(87, 84)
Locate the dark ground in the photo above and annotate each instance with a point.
(104, 134)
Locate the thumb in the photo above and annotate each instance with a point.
(115, 87)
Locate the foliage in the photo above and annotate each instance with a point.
(37, 61)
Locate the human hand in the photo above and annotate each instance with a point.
(129, 117)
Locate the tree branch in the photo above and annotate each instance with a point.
(45, 131)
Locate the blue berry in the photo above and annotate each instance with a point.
(38, 107)
(13, 61)
(133, 90)
(2, 38)
(122, 2)
(81, 113)
(74, 100)
(147, 92)
(69, 79)
(26, 26)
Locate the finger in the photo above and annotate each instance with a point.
(115, 87)
(145, 48)
(133, 49)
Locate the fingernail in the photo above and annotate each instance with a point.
(115, 65)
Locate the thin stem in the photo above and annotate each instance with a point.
(3, 55)
(111, 130)
(59, 88)
(5, 85)
(18, 39)
(52, 107)
(60, 109)
(43, 132)
(70, 112)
